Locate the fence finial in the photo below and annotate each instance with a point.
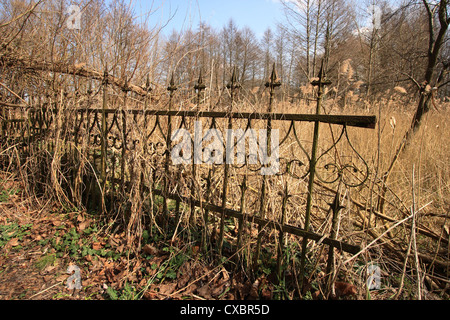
(125, 87)
(172, 87)
(200, 85)
(147, 84)
(105, 75)
(323, 81)
(274, 81)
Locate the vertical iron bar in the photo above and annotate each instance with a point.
(124, 138)
(199, 87)
(336, 208)
(273, 83)
(112, 188)
(206, 213)
(232, 86)
(103, 138)
(281, 233)
(242, 217)
(144, 141)
(312, 167)
(171, 90)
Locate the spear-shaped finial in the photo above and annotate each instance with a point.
(147, 84)
(274, 81)
(172, 87)
(125, 87)
(200, 86)
(105, 75)
(323, 81)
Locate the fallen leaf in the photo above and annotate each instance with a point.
(149, 249)
(150, 295)
(195, 250)
(167, 289)
(96, 246)
(205, 292)
(56, 223)
(266, 294)
(62, 277)
(242, 289)
(316, 295)
(254, 291)
(14, 242)
(113, 242)
(225, 274)
(49, 268)
(137, 265)
(48, 278)
(344, 289)
(83, 226)
(217, 291)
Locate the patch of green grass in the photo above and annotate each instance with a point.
(45, 261)
(6, 193)
(13, 230)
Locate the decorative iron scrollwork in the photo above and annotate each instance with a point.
(352, 170)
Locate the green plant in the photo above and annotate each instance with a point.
(128, 292)
(79, 245)
(45, 261)
(112, 294)
(69, 242)
(6, 193)
(60, 295)
(280, 292)
(13, 230)
(168, 270)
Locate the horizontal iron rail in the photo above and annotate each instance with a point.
(263, 222)
(348, 120)
(14, 120)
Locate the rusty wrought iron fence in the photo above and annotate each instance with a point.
(131, 151)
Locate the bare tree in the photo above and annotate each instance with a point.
(438, 22)
(267, 44)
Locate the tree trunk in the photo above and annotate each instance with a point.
(435, 44)
(434, 48)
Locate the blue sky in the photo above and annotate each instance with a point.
(256, 14)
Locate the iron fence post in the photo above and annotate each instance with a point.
(321, 83)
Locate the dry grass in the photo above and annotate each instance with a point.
(362, 220)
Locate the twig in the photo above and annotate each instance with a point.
(374, 241)
(13, 93)
(414, 242)
(41, 292)
(410, 244)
